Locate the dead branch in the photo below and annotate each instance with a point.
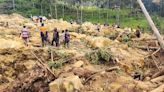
(113, 68)
(158, 79)
(161, 72)
(156, 51)
(52, 58)
(145, 48)
(153, 57)
(106, 70)
(44, 65)
(145, 39)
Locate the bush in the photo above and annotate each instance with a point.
(102, 54)
(105, 54)
(63, 56)
(56, 64)
(93, 56)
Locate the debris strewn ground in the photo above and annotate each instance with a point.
(105, 61)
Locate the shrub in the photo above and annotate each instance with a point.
(97, 55)
(56, 64)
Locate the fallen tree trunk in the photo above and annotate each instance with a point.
(151, 23)
(159, 89)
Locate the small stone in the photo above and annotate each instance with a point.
(103, 72)
(78, 64)
(147, 78)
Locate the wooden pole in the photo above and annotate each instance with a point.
(151, 23)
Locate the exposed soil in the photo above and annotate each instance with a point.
(20, 70)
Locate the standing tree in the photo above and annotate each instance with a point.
(50, 6)
(13, 4)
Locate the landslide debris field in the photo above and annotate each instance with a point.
(112, 60)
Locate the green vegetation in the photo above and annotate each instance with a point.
(126, 16)
(100, 55)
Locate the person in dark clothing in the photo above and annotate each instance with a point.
(137, 76)
(43, 34)
(41, 20)
(138, 32)
(98, 27)
(106, 24)
(55, 37)
(66, 39)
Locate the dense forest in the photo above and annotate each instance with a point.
(151, 5)
(123, 12)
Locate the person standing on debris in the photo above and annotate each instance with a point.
(66, 39)
(43, 34)
(138, 32)
(55, 37)
(106, 24)
(40, 19)
(25, 35)
(98, 27)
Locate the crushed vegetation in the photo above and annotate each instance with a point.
(112, 60)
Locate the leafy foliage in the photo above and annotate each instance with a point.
(93, 10)
(101, 54)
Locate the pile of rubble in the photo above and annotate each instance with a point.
(105, 61)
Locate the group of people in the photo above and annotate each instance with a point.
(45, 36)
(38, 19)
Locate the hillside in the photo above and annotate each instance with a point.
(105, 61)
(92, 10)
(81, 46)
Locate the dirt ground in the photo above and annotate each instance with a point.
(95, 62)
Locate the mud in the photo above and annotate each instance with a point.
(20, 72)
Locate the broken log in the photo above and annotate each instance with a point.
(158, 79)
(112, 69)
(145, 48)
(156, 51)
(44, 66)
(159, 89)
(151, 23)
(106, 70)
(158, 74)
(154, 60)
(52, 58)
(143, 39)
